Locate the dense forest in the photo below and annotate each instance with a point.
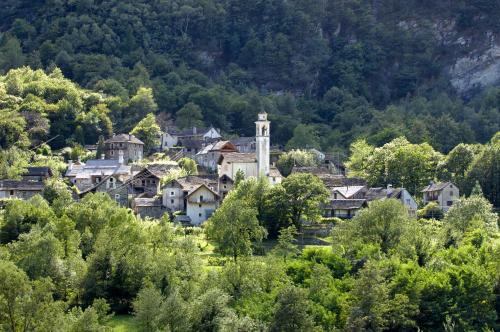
(330, 70)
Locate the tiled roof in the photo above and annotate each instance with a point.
(101, 167)
(147, 202)
(436, 186)
(347, 204)
(274, 172)
(21, 185)
(38, 171)
(238, 157)
(193, 190)
(127, 138)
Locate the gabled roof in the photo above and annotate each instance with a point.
(188, 183)
(347, 204)
(237, 157)
(195, 189)
(124, 138)
(348, 191)
(99, 167)
(218, 146)
(436, 186)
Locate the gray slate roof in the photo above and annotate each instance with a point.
(21, 185)
(347, 204)
(436, 186)
(381, 193)
(124, 138)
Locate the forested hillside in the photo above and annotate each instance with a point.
(341, 69)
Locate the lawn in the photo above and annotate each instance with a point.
(123, 323)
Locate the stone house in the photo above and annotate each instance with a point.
(125, 146)
(175, 192)
(201, 204)
(210, 154)
(225, 185)
(444, 194)
(114, 185)
(21, 189)
(147, 181)
(148, 207)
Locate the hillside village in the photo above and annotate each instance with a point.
(151, 189)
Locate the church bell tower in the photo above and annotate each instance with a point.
(262, 140)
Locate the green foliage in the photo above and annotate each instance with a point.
(148, 131)
(234, 227)
(301, 158)
(286, 243)
(189, 166)
(398, 162)
(189, 116)
(292, 311)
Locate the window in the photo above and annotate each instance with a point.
(11, 192)
(98, 179)
(199, 205)
(112, 152)
(335, 196)
(117, 197)
(449, 203)
(199, 214)
(172, 193)
(171, 201)
(451, 193)
(201, 198)
(225, 187)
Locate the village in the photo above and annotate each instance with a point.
(151, 189)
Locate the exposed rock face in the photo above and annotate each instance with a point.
(476, 71)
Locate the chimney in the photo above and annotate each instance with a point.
(194, 130)
(120, 156)
(389, 189)
(70, 165)
(102, 156)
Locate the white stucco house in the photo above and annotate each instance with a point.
(443, 193)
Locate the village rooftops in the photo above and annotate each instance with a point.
(124, 138)
(436, 186)
(160, 170)
(189, 183)
(243, 140)
(38, 171)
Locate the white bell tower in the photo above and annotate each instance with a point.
(262, 140)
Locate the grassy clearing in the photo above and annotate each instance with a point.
(123, 323)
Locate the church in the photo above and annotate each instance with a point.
(252, 164)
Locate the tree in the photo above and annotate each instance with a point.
(100, 147)
(141, 104)
(148, 131)
(382, 224)
(398, 162)
(304, 137)
(240, 176)
(148, 307)
(485, 170)
(477, 190)
(292, 311)
(189, 116)
(300, 158)
(234, 227)
(189, 165)
(11, 54)
(286, 243)
(303, 192)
